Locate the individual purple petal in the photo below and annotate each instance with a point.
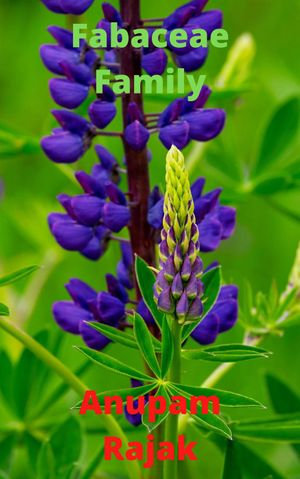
(92, 338)
(192, 287)
(208, 21)
(207, 331)
(78, 72)
(195, 309)
(65, 201)
(93, 249)
(193, 60)
(127, 255)
(90, 184)
(145, 313)
(165, 302)
(111, 57)
(115, 217)
(133, 113)
(227, 312)
(197, 188)
(58, 218)
(227, 218)
(155, 214)
(63, 37)
(154, 63)
(197, 267)
(111, 13)
(67, 93)
(108, 161)
(176, 134)
(210, 234)
(229, 291)
(54, 5)
(54, 55)
(69, 316)
(64, 147)
(115, 288)
(169, 269)
(171, 113)
(136, 135)
(182, 306)
(205, 124)
(87, 209)
(181, 15)
(155, 196)
(115, 194)
(186, 269)
(76, 7)
(71, 121)
(206, 204)
(177, 286)
(111, 310)
(80, 292)
(124, 275)
(71, 236)
(102, 113)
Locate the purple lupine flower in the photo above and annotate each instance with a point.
(74, 7)
(68, 143)
(183, 121)
(178, 288)
(135, 133)
(125, 266)
(86, 306)
(215, 221)
(220, 318)
(103, 110)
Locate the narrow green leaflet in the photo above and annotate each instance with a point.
(7, 448)
(111, 363)
(212, 283)
(13, 143)
(226, 353)
(208, 421)
(279, 429)
(226, 398)
(280, 134)
(232, 467)
(4, 311)
(46, 463)
(120, 336)
(143, 337)
(21, 273)
(167, 349)
(146, 280)
(243, 463)
(279, 390)
(160, 417)
(6, 375)
(94, 464)
(123, 393)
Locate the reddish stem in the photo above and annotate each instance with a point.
(141, 234)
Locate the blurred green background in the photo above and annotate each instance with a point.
(262, 249)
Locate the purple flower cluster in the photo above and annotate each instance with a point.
(181, 122)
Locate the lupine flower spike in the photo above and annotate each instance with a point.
(178, 287)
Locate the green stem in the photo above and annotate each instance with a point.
(110, 424)
(171, 431)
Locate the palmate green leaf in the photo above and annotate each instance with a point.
(4, 311)
(120, 336)
(167, 349)
(242, 463)
(280, 134)
(226, 353)
(284, 428)
(143, 337)
(93, 465)
(146, 280)
(160, 417)
(113, 364)
(226, 398)
(212, 283)
(123, 393)
(17, 275)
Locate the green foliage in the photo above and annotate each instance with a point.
(226, 353)
(143, 337)
(162, 391)
(284, 428)
(146, 280)
(4, 311)
(167, 349)
(17, 275)
(13, 143)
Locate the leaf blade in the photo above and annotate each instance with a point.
(143, 337)
(17, 275)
